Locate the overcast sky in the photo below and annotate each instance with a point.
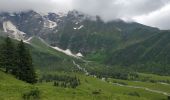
(150, 12)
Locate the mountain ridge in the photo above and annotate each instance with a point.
(95, 39)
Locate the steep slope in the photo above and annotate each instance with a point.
(46, 58)
(89, 36)
(79, 32)
(49, 58)
(151, 55)
(12, 31)
(29, 22)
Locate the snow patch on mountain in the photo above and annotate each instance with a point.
(28, 40)
(68, 52)
(79, 54)
(11, 14)
(78, 28)
(61, 14)
(50, 24)
(11, 29)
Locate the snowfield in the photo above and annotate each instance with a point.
(79, 54)
(68, 52)
(10, 28)
(78, 28)
(50, 24)
(28, 40)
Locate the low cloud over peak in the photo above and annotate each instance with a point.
(144, 11)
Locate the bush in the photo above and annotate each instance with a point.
(62, 80)
(168, 97)
(33, 94)
(121, 83)
(56, 83)
(134, 94)
(96, 92)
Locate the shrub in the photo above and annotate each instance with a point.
(33, 94)
(134, 94)
(168, 97)
(96, 92)
(62, 80)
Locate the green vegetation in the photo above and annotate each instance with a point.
(56, 74)
(90, 88)
(154, 86)
(8, 56)
(149, 56)
(152, 78)
(61, 80)
(17, 61)
(168, 97)
(117, 58)
(33, 94)
(25, 70)
(46, 58)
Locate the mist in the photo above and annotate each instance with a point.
(149, 12)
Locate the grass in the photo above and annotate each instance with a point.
(12, 89)
(153, 77)
(49, 60)
(150, 81)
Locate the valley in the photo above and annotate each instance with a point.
(90, 88)
(77, 58)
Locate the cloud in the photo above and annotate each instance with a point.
(37, 5)
(159, 18)
(112, 9)
(150, 12)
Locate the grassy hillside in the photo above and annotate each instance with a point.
(12, 89)
(151, 55)
(47, 58)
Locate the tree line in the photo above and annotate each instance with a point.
(61, 80)
(16, 60)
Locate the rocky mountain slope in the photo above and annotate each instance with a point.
(127, 44)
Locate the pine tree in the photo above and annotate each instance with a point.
(8, 60)
(26, 71)
(56, 83)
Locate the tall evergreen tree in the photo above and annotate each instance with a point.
(26, 71)
(8, 55)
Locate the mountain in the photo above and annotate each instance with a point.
(80, 57)
(129, 45)
(46, 58)
(151, 55)
(76, 31)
